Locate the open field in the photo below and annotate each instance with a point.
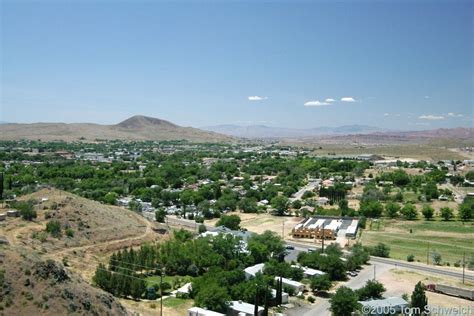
(171, 306)
(450, 239)
(422, 152)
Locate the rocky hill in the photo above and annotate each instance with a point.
(42, 273)
(134, 128)
(30, 285)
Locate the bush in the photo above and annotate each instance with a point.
(411, 258)
(26, 210)
(311, 299)
(380, 250)
(54, 228)
(69, 232)
(202, 228)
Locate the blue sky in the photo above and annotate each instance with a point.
(394, 64)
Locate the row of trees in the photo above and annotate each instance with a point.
(375, 209)
(183, 255)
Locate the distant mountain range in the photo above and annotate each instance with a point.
(139, 128)
(134, 128)
(262, 131)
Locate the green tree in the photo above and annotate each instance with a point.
(262, 246)
(409, 211)
(446, 213)
(419, 300)
(392, 209)
(111, 198)
(137, 288)
(466, 209)
(213, 297)
(296, 204)
(160, 215)
(344, 302)
(229, 221)
(427, 212)
(321, 283)
(371, 290)
(371, 208)
(247, 205)
(280, 204)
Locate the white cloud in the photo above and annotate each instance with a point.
(316, 103)
(386, 114)
(426, 97)
(431, 117)
(348, 99)
(451, 114)
(329, 100)
(256, 98)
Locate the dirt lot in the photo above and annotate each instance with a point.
(258, 223)
(399, 281)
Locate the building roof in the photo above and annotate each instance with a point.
(253, 270)
(244, 307)
(290, 282)
(203, 312)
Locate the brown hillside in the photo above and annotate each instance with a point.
(137, 128)
(46, 275)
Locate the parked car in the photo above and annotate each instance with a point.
(290, 247)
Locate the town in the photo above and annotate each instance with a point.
(256, 228)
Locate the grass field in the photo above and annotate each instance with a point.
(423, 151)
(174, 302)
(172, 280)
(450, 239)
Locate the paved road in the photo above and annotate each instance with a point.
(393, 262)
(309, 187)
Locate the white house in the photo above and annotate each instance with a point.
(197, 311)
(239, 308)
(295, 285)
(251, 271)
(308, 272)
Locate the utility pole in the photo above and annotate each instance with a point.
(428, 255)
(374, 271)
(463, 266)
(283, 230)
(161, 293)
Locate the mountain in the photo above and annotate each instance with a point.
(262, 131)
(134, 128)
